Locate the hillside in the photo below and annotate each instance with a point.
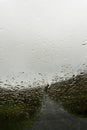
(71, 93)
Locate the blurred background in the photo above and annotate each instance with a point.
(42, 39)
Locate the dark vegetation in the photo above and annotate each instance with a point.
(19, 108)
(71, 94)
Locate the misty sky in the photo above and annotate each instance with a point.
(42, 35)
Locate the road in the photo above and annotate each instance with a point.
(53, 117)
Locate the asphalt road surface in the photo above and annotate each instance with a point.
(53, 117)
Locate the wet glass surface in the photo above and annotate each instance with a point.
(43, 65)
(19, 108)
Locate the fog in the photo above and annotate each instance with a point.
(42, 37)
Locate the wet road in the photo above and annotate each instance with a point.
(53, 117)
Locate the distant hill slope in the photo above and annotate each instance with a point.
(72, 93)
(76, 84)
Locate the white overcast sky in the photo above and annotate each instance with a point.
(42, 35)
